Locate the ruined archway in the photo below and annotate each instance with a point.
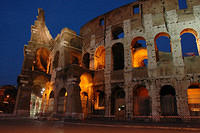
(168, 101)
(51, 101)
(141, 101)
(193, 92)
(99, 104)
(99, 58)
(117, 33)
(118, 56)
(162, 45)
(139, 52)
(42, 59)
(190, 42)
(62, 100)
(36, 101)
(37, 92)
(86, 93)
(86, 60)
(118, 105)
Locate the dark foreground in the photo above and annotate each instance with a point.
(34, 126)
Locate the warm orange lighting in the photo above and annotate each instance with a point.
(193, 96)
(86, 82)
(99, 58)
(42, 59)
(66, 94)
(138, 57)
(86, 91)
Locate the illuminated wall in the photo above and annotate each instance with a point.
(86, 84)
(99, 58)
(42, 59)
(138, 57)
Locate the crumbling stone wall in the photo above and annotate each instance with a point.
(154, 17)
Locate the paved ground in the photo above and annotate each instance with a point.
(35, 126)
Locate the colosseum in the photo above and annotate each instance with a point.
(114, 69)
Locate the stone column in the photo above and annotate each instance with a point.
(152, 64)
(181, 98)
(154, 93)
(55, 107)
(127, 67)
(92, 51)
(76, 107)
(23, 101)
(107, 71)
(177, 54)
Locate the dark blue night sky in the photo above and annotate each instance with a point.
(17, 16)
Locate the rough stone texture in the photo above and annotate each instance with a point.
(155, 17)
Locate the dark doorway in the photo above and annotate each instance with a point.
(118, 56)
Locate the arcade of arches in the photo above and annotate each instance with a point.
(115, 70)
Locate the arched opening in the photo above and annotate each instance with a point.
(168, 101)
(42, 59)
(117, 33)
(56, 60)
(99, 58)
(193, 92)
(36, 101)
(118, 105)
(141, 101)
(51, 101)
(99, 104)
(86, 85)
(86, 60)
(37, 93)
(118, 56)
(162, 45)
(189, 43)
(62, 100)
(139, 52)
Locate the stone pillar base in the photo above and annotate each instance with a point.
(22, 113)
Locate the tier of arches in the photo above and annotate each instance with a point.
(189, 41)
(141, 101)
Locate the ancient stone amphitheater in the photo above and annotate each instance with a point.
(114, 69)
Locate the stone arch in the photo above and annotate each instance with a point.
(99, 100)
(99, 58)
(168, 103)
(62, 100)
(86, 93)
(139, 52)
(141, 101)
(118, 106)
(86, 60)
(162, 37)
(36, 100)
(117, 32)
(118, 56)
(51, 101)
(56, 59)
(191, 35)
(42, 59)
(193, 93)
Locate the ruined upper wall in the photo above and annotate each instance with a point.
(117, 16)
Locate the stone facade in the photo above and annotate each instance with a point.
(97, 72)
